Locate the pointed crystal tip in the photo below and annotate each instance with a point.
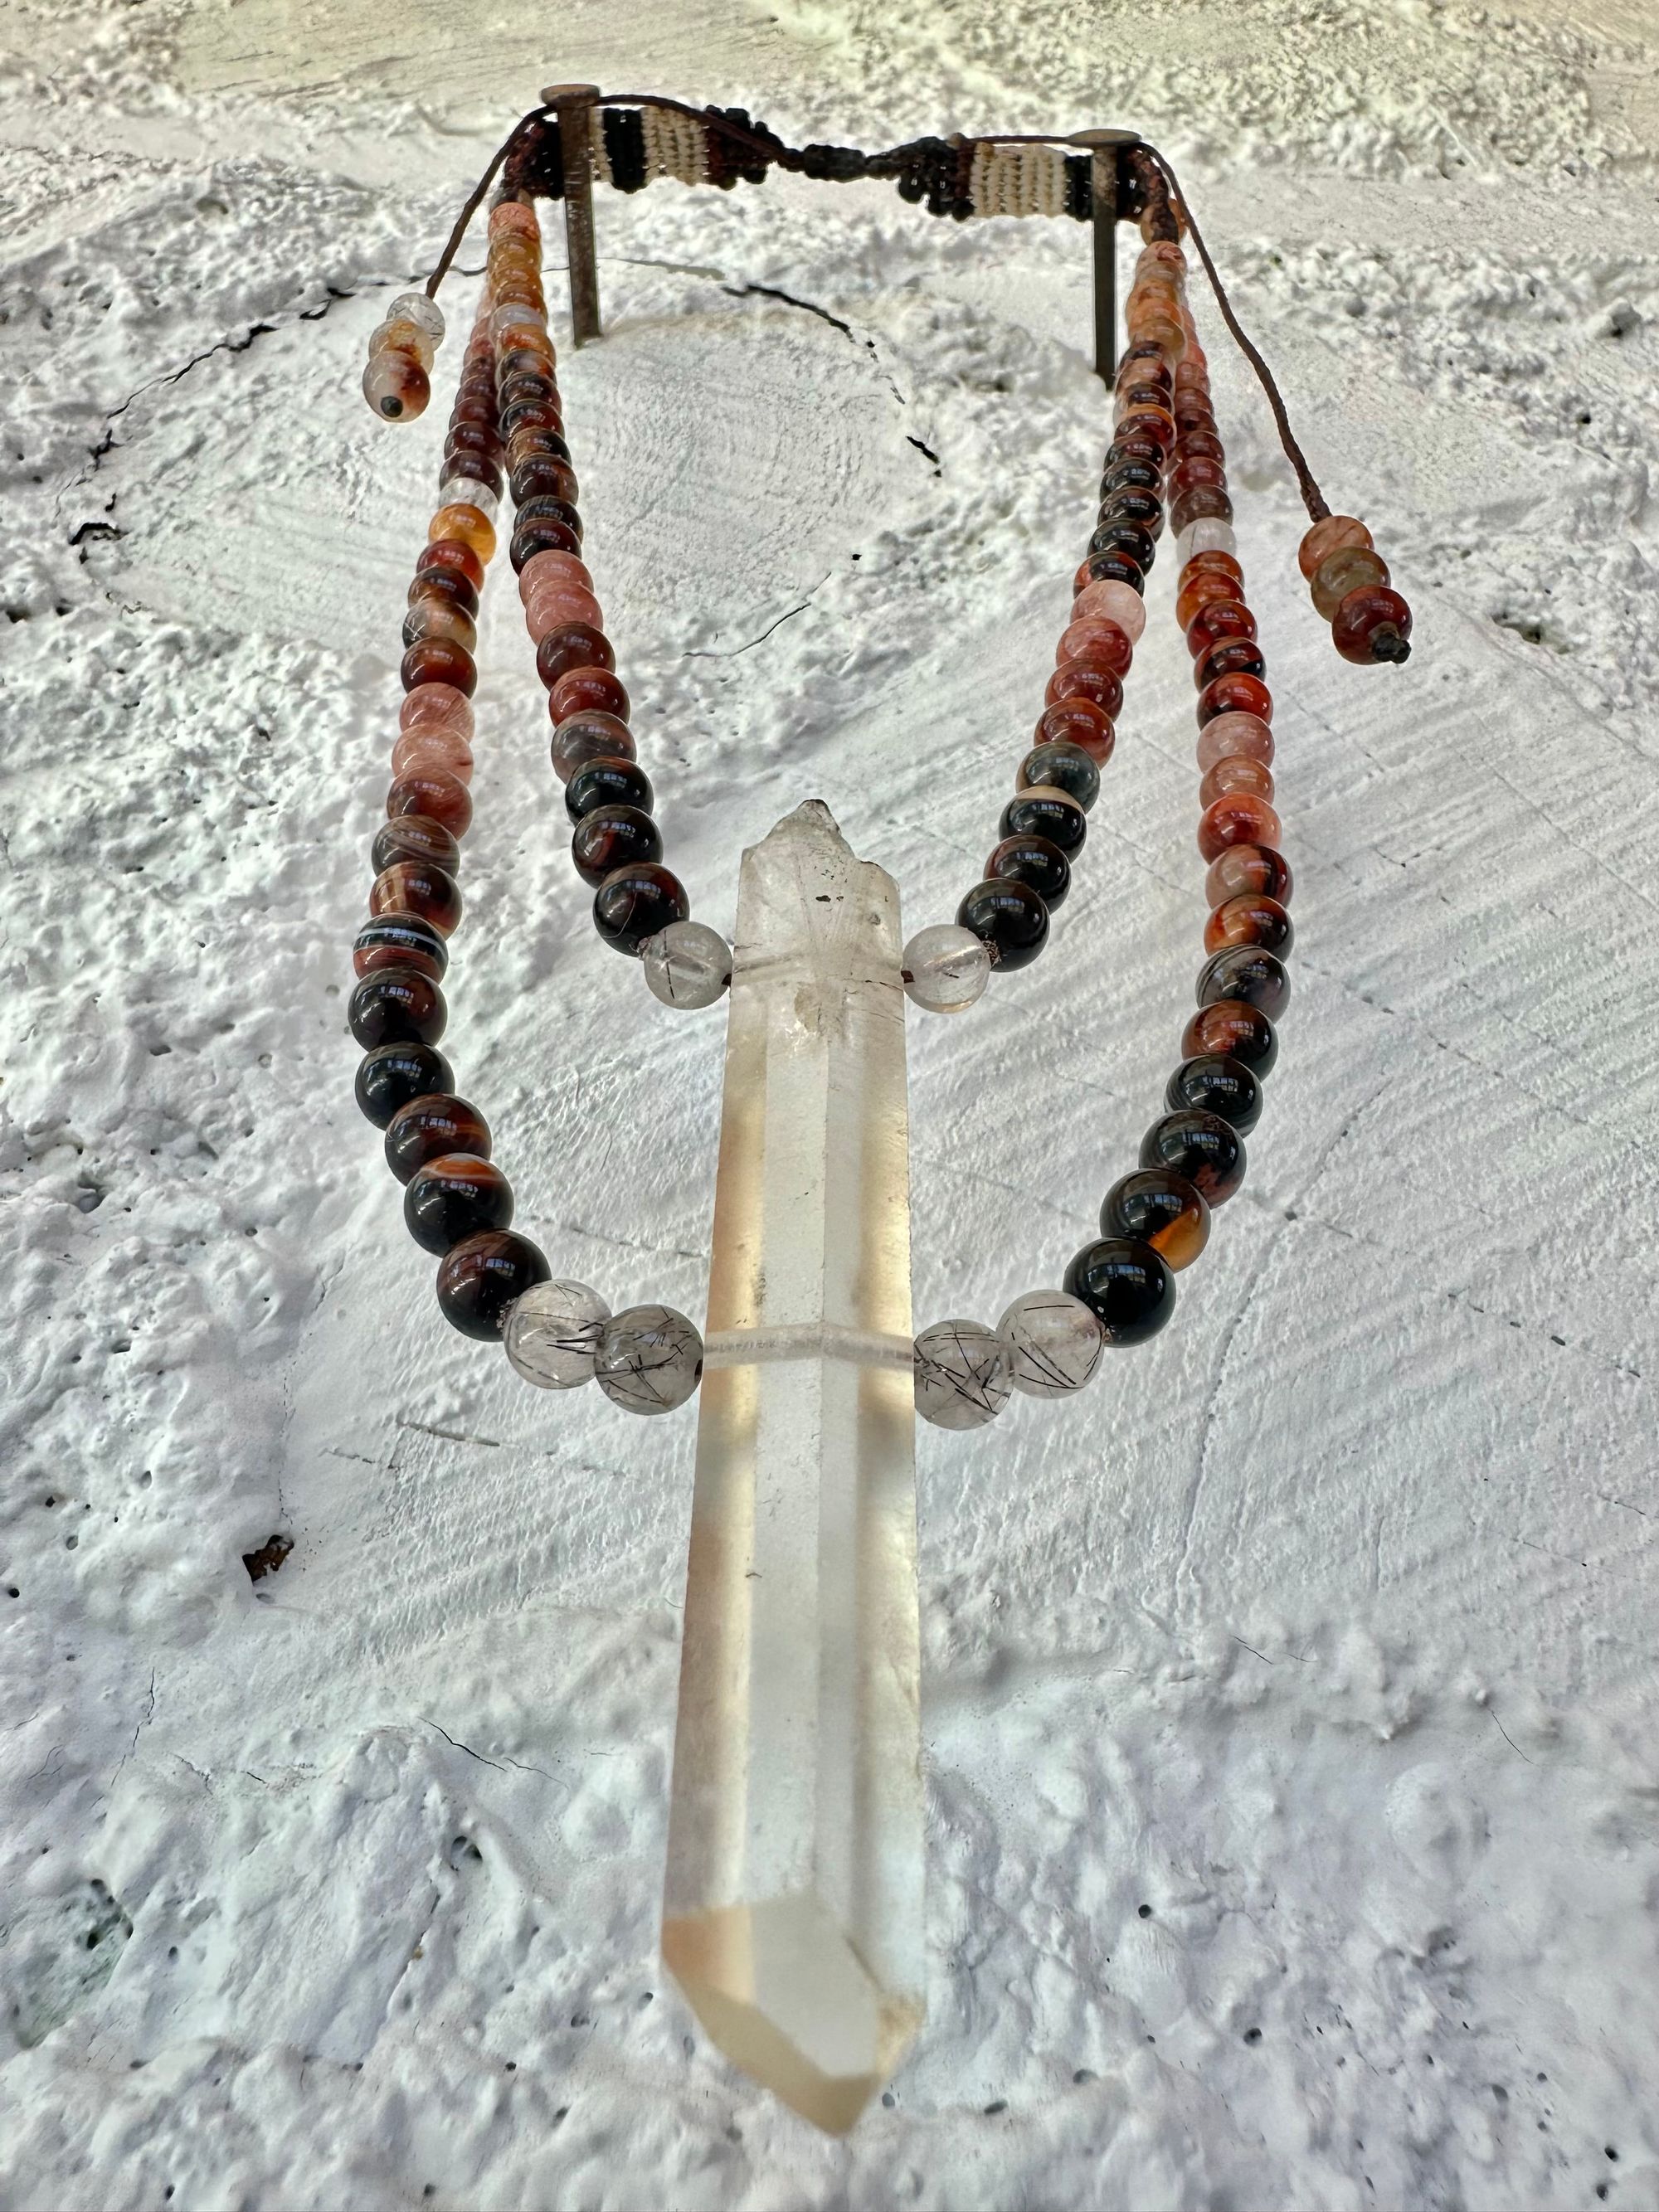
(786, 1997)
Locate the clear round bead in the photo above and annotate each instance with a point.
(945, 968)
(687, 965)
(473, 491)
(552, 1333)
(1054, 1341)
(961, 1374)
(415, 307)
(649, 1360)
(1209, 534)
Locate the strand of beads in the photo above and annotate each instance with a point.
(640, 906)
(1349, 579)
(397, 381)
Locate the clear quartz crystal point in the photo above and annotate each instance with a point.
(792, 1917)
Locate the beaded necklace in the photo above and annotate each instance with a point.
(1165, 468)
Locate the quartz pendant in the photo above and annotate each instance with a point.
(793, 1916)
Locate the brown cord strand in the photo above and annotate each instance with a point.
(452, 244)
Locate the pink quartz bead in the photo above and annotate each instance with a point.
(429, 746)
(436, 706)
(1097, 644)
(1110, 601)
(1235, 737)
(545, 568)
(1238, 772)
(545, 611)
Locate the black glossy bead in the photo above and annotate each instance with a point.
(1215, 1083)
(1050, 813)
(1248, 972)
(1234, 656)
(456, 1195)
(397, 1005)
(432, 1124)
(1061, 766)
(1143, 476)
(1207, 1151)
(608, 783)
(1009, 918)
(531, 415)
(480, 1277)
(1129, 503)
(1117, 567)
(400, 940)
(547, 536)
(547, 507)
(392, 1074)
(1025, 858)
(1126, 1286)
(1125, 538)
(611, 837)
(636, 902)
(1160, 1208)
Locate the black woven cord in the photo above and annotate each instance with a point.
(624, 148)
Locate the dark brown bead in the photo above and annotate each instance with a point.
(1035, 860)
(449, 553)
(415, 838)
(444, 584)
(636, 902)
(1050, 813)
(416, 887)
(610, 837)
(611, 780)
(1125, 1284)
(1216, 621)
(587, 691)
(546, 536)
(541, 474)
(482, 1277)
(1235, 695)
(1193, 506)
(1254, 869)
(1009, 918)
(474, 468)
(436, 794)
(400, 940)
(439, 660)
(1237, 656)
(1214, 1083)
(1163, 1210)
(1252, 918)
(1247, 972)
(435, 1123)
(1372, 623)
(455, 1196)
(1075, 681)
(392, 1074)
(1207, 1151)
(572, 645)
(1231, 1030)
(397, 1005)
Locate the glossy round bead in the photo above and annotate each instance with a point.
(649, 1360)
(1026, 857)
(1215, 562)
(1206, 534)
(1235, 695)
(1191, 470)
(1216, 623)
(1350, 568)
(552, 1333)
(1125, 473)
(1372, 623)
(430, 1124)
(687, 965)
(434, 794)
(453, 1197)
(572, 645)
(397, 386)
(450, 554)
(1236, 820)
(636, 902)
(1061, 767)
(611, 837)
(1209, 587)
(1214, 1083)
(589, 691)
(432, 748)
(1235, 773)
(1054, 1342)
(397, 1005)
(541, 475)
(548, 535)
(464, 524)
(964, 1373)
(1108, 601)
(1077, 681)
(609, 780)
(416, 887)
(1009, 918)
(390, 1075)
(1077, 722)
(1232, 1030)
(549, 569)
(1247, 972)
(1207, 1151)
(582, 740)
(400, 940)
(557, 609)
(1234, 656)
(423, 311)
(1126, 537)
(470, 479)
(1158, 1207)
(1256, 870)
(443, 583)
(1230, 737)
(1045, 811)
(945, 968)
(1205, 503)
(1094, 643)
(1129, 503)
(439, 660)
(436, 706)
(415, 837)
(1329, 537)
(1113, 568)
(479, 1279)
(1250, 919)
(1125, 1284)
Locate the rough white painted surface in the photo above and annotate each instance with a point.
(1289, 1703)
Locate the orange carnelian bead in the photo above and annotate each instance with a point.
(1234, 735)
(1249, 920)
(1209, 584)
(1326, 538)
(1237, 819)
(1077, 680)
(1253, 870)
(1078, 722)
(1235, 695)
(1210, 562)
(465, 524)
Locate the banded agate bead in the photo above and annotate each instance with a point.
(1253, 870)
(455, 1196)
(1160, 1208)
(1207, 1150)
(480, 1277)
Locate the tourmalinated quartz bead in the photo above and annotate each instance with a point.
(417, 307)
(945, 968)
(963, 1373)
(648, 1359)
(552, 1334)
(687, 965)
(1054, 1343)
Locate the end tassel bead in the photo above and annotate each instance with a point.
(1349, 579)
(397, 383)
